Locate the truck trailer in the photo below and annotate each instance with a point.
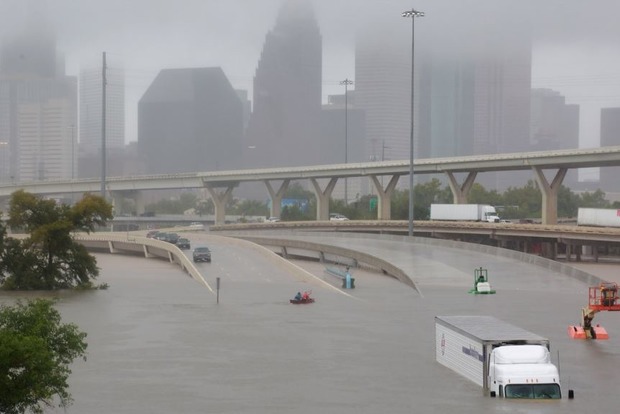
(598, 217)
(464, 212)
(505, 360)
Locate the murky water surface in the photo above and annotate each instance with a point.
(159, 342)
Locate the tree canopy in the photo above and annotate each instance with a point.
(49, 258)
(35, 355)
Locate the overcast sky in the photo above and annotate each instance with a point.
(576, 43)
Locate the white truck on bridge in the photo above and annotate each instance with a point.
(464, 212)
(505, 360)
(598, 217)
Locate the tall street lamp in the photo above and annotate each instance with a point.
(346, 84)
(411, 14)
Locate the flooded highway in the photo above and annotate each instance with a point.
(159, 342)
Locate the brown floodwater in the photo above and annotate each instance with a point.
(159, 342)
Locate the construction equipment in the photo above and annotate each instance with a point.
(601, 298)
(481, 282)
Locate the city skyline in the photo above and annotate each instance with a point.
(574, 50)
(574, 47)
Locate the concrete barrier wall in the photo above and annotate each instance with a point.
(147, 247)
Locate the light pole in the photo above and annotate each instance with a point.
(411, 14)
(346, 84)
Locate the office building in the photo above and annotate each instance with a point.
(554, 125)
(38, 103)
(91, 118)
(383, 92)
(335, 137)
(190, 120)
(285, 121)
(610, 136)
(91, 114)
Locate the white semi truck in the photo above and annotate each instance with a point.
(505, 360)
(599, 217)
(464, 212)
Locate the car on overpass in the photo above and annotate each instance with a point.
(201, 254)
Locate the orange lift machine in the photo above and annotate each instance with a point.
(601, 298)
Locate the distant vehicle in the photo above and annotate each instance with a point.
(272, 220)
(151, 234)
(161, 235)
(197, 225)
(337, 217)
(598, 217)
(183, 243)
(173, 238)
(464, 212)
(201, 254)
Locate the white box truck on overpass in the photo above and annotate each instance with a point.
(505, 360)
(464, 212)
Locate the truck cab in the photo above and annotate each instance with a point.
(490, 214)
(523, 371)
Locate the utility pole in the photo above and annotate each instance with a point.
(346, 84)
(103, 122)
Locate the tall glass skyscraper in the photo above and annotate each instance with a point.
(285, 121)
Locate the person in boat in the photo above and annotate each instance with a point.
(298, 296)
(305, 296)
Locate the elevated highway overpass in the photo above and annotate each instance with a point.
(550, 241)
(548, 168)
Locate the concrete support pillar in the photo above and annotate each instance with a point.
(461, 192)
(322, 197)
(276, 196)
(384, 203)
(220, 198)
(549, 194)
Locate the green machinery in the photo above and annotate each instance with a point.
(481, 283)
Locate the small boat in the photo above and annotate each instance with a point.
(301, 301)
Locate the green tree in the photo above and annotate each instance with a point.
(527, 200)
(479, 195)
(429, 193)
(594, 200)
(568, 202)
(35, 355)
(399, 202)
(49, 258)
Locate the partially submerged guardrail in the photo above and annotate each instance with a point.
(139, 245)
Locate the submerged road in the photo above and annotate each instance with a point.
(159, 342)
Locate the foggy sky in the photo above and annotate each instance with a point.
(575, 43)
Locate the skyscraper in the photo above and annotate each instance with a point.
(37, 103)
(610, 136)
(554, 125)
(91, 116)
(91, 93)
(383, 91)
(287, 91)
(190, 120)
